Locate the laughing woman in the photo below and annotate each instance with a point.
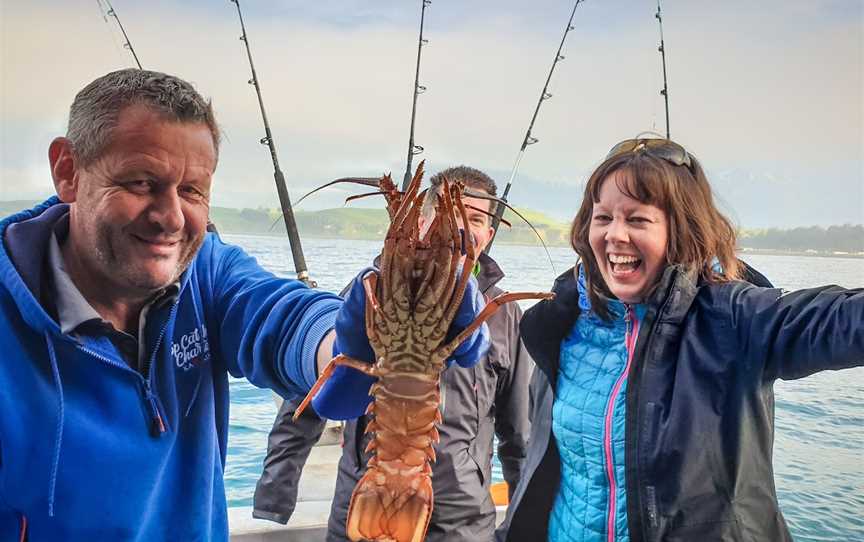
(654, 404)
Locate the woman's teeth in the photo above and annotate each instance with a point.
(623, 264)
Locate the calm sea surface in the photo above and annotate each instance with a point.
(819, 442)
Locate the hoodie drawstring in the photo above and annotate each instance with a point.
(58, 439)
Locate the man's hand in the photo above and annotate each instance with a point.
(345, 395)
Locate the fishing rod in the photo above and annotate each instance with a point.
(111, 12)
(662, 49)
(529, 139)
(418, 90)
(281, 189)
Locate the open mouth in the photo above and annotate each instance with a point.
(622, 264)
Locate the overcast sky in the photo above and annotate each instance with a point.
(773, 89)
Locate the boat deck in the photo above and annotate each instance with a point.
(309, 521)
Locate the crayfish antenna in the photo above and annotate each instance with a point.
(499, 201)
(367, 181)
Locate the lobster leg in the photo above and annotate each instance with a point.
(341, 359)
(491, 308)
(370, 282)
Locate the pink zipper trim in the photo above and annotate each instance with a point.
(630, 343)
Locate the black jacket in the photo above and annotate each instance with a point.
(490, 399)
(699, 406)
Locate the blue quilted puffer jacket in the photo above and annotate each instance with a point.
(588, 417)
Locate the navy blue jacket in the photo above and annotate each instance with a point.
(700, 403)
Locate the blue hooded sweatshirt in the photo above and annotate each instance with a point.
(91, 449)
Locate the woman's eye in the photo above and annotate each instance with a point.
(602, 218)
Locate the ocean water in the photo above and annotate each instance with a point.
(819, 443)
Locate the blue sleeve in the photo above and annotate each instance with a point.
(802, 332)
(269, 327)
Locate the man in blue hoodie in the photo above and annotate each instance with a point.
(121, 318)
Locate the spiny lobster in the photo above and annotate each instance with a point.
(410, 305)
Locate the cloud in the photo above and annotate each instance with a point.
(747, 86)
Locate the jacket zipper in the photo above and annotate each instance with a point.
(157, 424)
(630, 343)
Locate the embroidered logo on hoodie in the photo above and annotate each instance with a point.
(191, 350)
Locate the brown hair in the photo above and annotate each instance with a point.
(472, 178)
(699, 235)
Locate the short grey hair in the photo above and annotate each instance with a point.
(472, 178)
(96, 108)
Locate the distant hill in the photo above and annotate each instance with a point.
(348, 223)
(847, 238)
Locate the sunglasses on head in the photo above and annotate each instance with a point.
(660, 148)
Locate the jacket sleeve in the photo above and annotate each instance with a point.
(548, 321)
(799, 333)
(512, 424)
(269, 328)
(288, 448)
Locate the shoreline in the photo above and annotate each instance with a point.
(741, 250)
(808, 253)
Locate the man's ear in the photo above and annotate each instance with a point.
(63, 169)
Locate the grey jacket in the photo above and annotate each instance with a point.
(490, 399)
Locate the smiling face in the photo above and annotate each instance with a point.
(138, 212)
(628, 239)
(479, 223)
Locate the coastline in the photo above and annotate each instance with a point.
(812, 253)
(809, 253)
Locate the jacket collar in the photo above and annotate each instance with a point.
(24, 239)
(545, 324)
(490, 272)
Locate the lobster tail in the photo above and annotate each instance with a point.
(388, 507)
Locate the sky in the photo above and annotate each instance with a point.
(769, 95)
